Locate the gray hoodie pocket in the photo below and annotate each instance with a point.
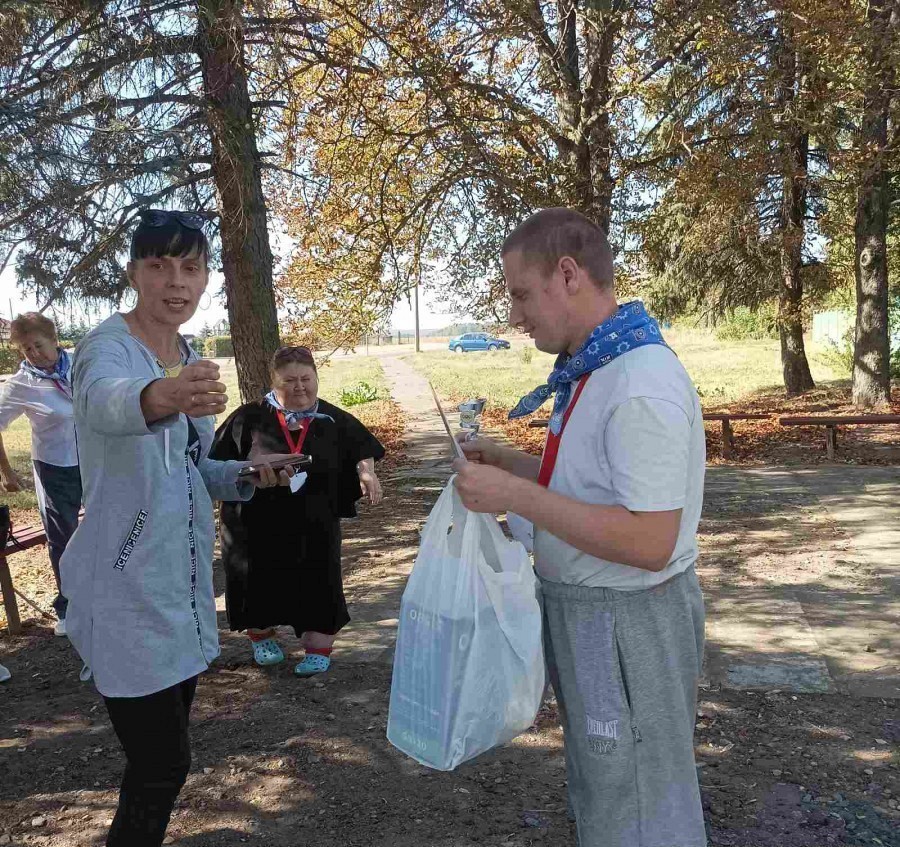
(140, 521)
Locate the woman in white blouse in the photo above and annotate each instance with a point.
(42, 391)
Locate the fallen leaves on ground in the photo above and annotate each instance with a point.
(762, 442)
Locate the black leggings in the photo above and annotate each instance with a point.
(153, 731)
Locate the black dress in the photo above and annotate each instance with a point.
(282, 551)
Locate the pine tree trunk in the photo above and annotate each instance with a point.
(576, 152)
(794, 364)
(602, 135)
(794, 159)
(586, 125)
(246, 254)
(871, 352)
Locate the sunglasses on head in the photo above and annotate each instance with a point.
(161, 217)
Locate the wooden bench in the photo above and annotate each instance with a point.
(29, 536)
(831, 425)
(727, 433)
(725, 417)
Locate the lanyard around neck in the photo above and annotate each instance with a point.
(295, 447)
(551, 448)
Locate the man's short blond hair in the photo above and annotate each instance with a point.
(550, 234)
(31, 323)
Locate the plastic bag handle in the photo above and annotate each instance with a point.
(442, 514)
(476, 525)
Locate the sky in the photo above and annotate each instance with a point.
(432, 314)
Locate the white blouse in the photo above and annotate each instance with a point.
(50, 412)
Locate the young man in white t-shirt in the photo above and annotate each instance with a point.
(615, 502)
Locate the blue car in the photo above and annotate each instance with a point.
(477, 341)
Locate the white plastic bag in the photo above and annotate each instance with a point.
(522, 530)
(468, 667)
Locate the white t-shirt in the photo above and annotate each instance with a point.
(50, 412)
(634, 439)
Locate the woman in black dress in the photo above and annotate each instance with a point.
(282, 550)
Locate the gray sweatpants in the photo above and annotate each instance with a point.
(625, 667)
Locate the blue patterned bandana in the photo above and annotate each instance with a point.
(60, 373)
(628, 328)
(292, 417)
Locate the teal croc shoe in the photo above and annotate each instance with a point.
(267, 652)
(312, 664)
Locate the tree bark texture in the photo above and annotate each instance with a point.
(871, 351)
(582, 82)
(566, 68)
(794, 158)
(246, 253)
(601, 46)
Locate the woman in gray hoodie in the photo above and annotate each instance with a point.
(138, 571)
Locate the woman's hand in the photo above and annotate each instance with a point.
(269, 477)
(195, 392)
(369, 483)
(11, 482)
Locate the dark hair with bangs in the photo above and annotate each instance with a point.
(170, 239)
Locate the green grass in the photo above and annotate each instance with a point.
(723, 371)
(501, 376)
(333, 376)
(731, 371)
(17, 442)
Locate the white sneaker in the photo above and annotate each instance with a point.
(4, 673)
(60, 628)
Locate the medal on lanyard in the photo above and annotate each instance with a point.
(299, 479)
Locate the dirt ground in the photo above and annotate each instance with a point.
(283, 762)
(781, 769)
